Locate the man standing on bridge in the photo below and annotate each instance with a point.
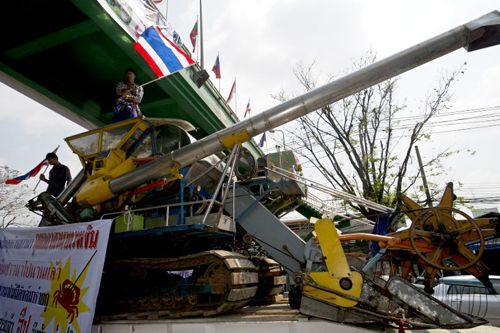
(59, 175)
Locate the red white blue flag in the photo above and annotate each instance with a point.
(194, 34)
(216, 68)
(247, 111)
(161, 54)
(262, 140)
(30, 174)
(232, 92)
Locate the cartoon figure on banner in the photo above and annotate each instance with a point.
(68, 296)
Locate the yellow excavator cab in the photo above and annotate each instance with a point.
(118, 136)
(111, 151)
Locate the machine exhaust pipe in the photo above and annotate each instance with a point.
(72, 188)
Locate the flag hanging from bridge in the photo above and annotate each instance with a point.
(161, 54)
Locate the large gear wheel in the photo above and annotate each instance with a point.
(448, 239)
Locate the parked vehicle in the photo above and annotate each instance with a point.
(467, 294)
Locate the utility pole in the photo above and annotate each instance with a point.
(424, 180)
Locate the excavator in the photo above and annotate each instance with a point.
(191, 223)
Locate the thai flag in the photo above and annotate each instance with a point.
(161, 54)
(247, 111)
(30, 174)
(262, 140)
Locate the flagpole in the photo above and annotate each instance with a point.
(201, 37)
(44, 171)
(39, 180)
(196, 41)
(235, 97)
(246, 109)
(162, 77)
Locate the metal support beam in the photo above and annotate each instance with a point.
(52, 40)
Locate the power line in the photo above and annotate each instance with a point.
(489, 118)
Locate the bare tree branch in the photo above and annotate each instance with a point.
(13, 199)
(352, 143)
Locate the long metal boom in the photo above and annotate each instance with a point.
(480, 33)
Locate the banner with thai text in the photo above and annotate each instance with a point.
(50, 277)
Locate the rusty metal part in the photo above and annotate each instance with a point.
(437, 239)
(386, 302)
(388, 242)
(272, 280)
(247, 238)
(376, 300)
(439, 227)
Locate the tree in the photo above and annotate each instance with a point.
(360, 145)
(13, 199)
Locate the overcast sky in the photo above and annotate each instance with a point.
(259, 43)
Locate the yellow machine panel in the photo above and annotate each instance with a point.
(339, 285)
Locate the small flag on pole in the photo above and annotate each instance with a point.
(247, 111)
(194, 34)
(30, 174)
(161, 54)
(232, 92)
(262, 140)
(216, 68)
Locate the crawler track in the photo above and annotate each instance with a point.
(272, 280)
(203, 284)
